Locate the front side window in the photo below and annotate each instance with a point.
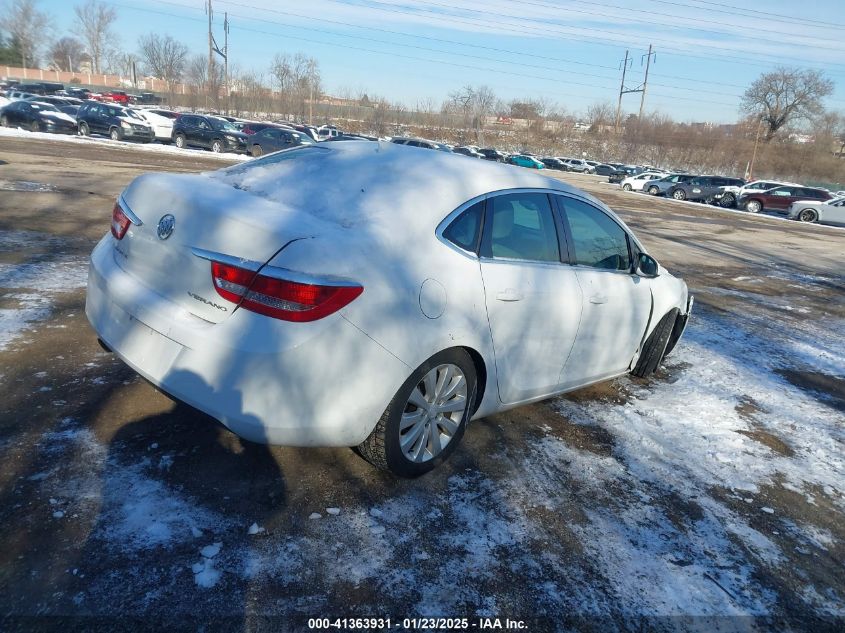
(598, 240)
(522, 227)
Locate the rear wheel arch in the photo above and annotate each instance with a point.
(481, 375)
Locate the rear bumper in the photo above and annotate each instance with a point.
(324, 384)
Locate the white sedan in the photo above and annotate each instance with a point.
(374, 295)
(162, 126)
(638, 182)
(823, 212)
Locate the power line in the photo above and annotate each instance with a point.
(402, 56)
(371, 4)
(774, 17)
(686, 28)
(443, 40)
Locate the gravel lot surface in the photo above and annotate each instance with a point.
(710, 495)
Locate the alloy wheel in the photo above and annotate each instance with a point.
(807, 215)
(433, 413)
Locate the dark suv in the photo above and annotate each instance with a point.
(702, 188)
(273, 139)
(113, 120)
(208, 132)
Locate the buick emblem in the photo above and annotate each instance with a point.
(166, 226)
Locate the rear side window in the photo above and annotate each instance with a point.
(464, 230)
(598, 240)
(522, 226)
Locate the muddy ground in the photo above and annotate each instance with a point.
(710, 495)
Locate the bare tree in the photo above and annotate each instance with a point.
(93, 22)
(599, 115)
(786, 95)
(26, 26)
(164, 57)
(297, 79)
(66, 54)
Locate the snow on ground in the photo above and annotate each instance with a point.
(663, 522)
(121, 145)
(28, 290)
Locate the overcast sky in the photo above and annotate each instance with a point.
(568, 52)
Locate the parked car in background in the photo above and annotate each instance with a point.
(32, 88)
(162, 125)
(147, 98)
(165, 113)
(702, 188)
(327, 132)
(273, 139)
(523, 160)
(17, 95)
(346, 338)
(604, 169)
(420, 142)
(636, 183)
(114, 121)
(554, 163)
(490, 153)
(576, 164)
(780, 198)
(661, 185)
(622, 173)
(824, 212)
(467, 151)
(115, 96)
(37, 117)
(208, 132)
(79, 93)
(251, 127)
(70, 110)
(729, 195)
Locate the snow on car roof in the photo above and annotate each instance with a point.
(356, 182)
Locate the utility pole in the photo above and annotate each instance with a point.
(212, 49)
(621, 92)
(645, 80)
(750, 173)
(226, 59)
(641, 88)
(210, 70)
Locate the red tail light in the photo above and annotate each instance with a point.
(280, 298)
(119, 222)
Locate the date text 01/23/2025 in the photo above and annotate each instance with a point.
(415, 624)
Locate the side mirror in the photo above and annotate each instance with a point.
(647, 266)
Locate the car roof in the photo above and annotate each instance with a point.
(396, 181)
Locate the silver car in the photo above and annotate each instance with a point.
(823, 212)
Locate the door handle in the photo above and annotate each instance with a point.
(509, 294)
(598, 299)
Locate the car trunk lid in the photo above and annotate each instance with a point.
(188, 220)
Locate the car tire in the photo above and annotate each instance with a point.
(257, 151)
(84, 130)
(4, 121)
(217, 146)
(679, 194)
(728, 200)
(626, 187)
(34, 127)
(753, 206)
(655, 346)
(653, 190)
(808, 215)
(181, 141)
(384, 449)
(115, 134)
